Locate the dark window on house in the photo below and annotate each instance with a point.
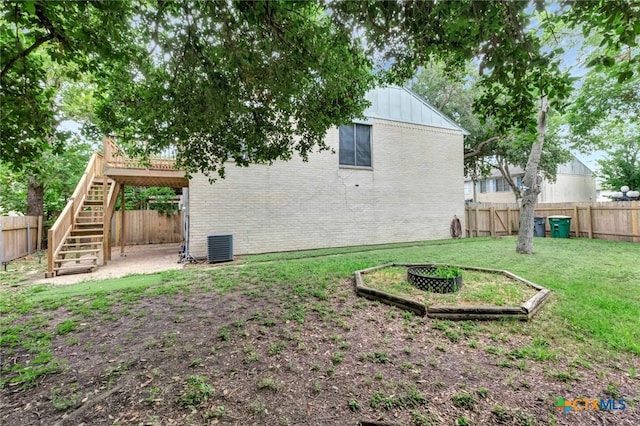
(355, 145)
(502, 185)
(484, 186)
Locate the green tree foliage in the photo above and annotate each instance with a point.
(161, 199)
(603, 108)
(257, 81)
(13, 191)
(57, 173)
(514, 70)
(622, 165)
(484, 148)
(57, 156)
(36, 34)
(250, 81)
(617, 25)
(604, 111)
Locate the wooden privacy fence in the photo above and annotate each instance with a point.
(19, 236)
(616, 220)
(147, 227)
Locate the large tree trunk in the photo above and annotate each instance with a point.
(35, 197)
(531, 183)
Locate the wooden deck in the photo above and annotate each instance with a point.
(147, 177)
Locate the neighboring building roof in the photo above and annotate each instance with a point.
(574, 167)
(571, 167)
(402, 104)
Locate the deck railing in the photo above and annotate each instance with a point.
(115, 157)
(63, 225)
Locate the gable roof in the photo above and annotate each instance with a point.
(402, 104)
(574, 167)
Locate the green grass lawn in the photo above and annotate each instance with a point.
(595, 283)
(298, 313)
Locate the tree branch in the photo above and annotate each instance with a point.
(446, 100)
(503, 167)
(52, 34)
(25, 53)
(480, 148)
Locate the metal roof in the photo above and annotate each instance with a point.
(402, 104)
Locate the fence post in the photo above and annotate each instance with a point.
(634, 221)
(39, 239)
(575, 212)
(466, 221)
(590, 219)
(492, 221)
(28, 239)
(1, 248)
(477, 225)
(50, 253)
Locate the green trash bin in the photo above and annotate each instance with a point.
(560, 226)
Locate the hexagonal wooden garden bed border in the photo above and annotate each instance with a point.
(524, 312)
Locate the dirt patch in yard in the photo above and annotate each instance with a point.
(215, 350)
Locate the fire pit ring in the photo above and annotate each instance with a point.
(425, 277)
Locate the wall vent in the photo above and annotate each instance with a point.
(219, 248)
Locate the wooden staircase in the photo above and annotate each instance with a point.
(76, 242)
(82, 248)
(79, 241)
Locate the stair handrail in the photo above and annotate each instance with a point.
(63, 225)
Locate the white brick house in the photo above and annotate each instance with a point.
(395, 177)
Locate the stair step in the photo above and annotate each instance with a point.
(97, 225)
(93, 202)
(81, 246)
(71, 242)
(75, 269)
(79, 251)
(75, 237)
(85, 232)
(79, 260)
